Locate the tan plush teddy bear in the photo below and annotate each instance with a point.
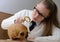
(17, 32)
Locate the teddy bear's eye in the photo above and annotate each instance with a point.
(22, 34)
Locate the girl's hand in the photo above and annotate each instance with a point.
(21, 41)
(19, 20)
(31, 38)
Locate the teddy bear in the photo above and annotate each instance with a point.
(17, 32)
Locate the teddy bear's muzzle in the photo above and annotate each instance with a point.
(15, 38)
(22, 36)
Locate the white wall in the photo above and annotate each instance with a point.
(13, 6)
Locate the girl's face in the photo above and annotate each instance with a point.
(40, 12)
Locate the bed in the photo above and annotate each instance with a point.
(3, 33)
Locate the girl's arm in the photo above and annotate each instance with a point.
(54, 38)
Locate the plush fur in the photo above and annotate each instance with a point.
(17, 32)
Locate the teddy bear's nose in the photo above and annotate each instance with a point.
(22, 33)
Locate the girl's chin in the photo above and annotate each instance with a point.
(35, 20)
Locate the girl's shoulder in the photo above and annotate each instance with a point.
(23, 11)
(56, 29)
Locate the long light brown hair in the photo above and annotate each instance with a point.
(51, 19)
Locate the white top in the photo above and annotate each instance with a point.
(37, 31)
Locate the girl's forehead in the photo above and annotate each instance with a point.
(42, 9)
